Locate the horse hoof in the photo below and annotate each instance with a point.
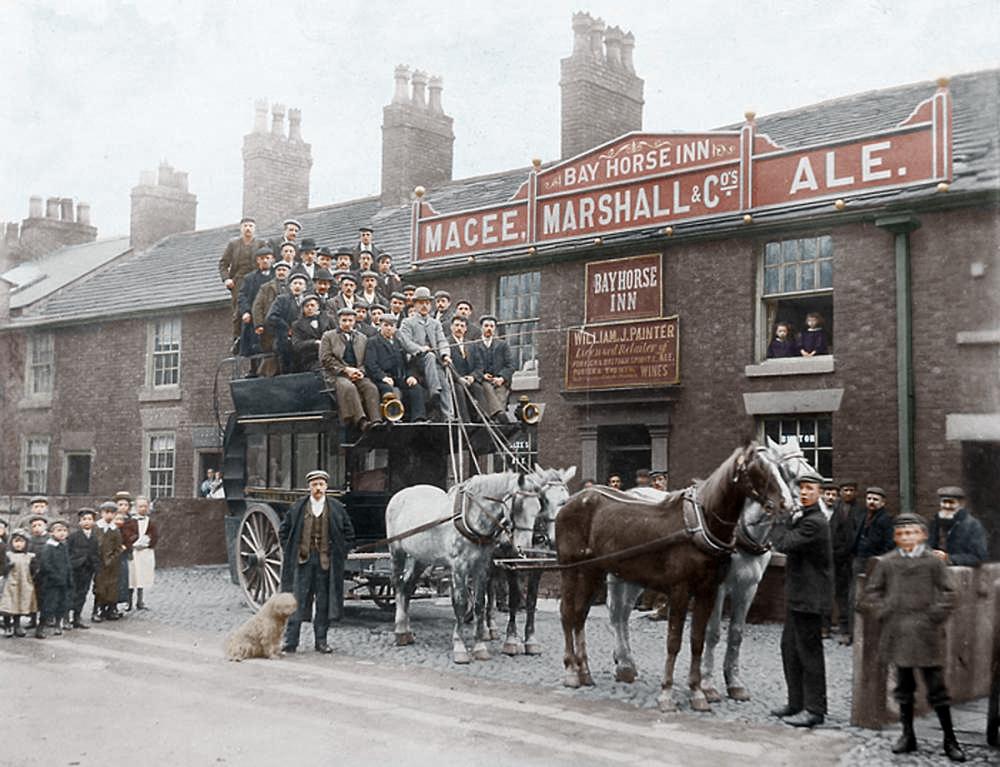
(665, 703)
(625, 674)
(532, 648)
(699, 703)
(511, 647)
(586, 679)
(404, 639)
(712, 695)
(737, 693)
(494, 634)
(571, 679)
(461, 657)
(479, 652)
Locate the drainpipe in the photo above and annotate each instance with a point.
(900, 225)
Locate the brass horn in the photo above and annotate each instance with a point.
(392, 407)
(527, 411)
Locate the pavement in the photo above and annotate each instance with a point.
(196, 608)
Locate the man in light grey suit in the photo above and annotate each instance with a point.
(423, 339)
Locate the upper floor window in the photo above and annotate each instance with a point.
(165, 352)
(797, 295)
(518, 298)
(41, 365)
(35, 464)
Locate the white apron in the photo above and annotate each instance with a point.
(143, 563)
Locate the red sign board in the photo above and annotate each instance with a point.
(623, 355)
(624, 289)
(648, 180)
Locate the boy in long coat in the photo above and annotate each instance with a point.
(911, 592)
(110, 549)
(315, 536)
(85, 559)
(55, 579)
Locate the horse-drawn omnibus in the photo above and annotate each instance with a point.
(285, 426)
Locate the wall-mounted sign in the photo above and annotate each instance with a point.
(623, 355)
(648, 180)
(624, 289)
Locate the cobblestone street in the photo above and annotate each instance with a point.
(203, 599)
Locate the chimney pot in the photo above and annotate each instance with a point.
(147, 178)
(294, 124)
(278, 119)
(260, 116)
(434, 88)
(66, 209)
(581, 33)
(52, 207)
(419, 82)
(613, 46)
(401, 95)
(83, 213)
(628, 46)
(165, 177)
(34, 207)
(181, 180)
(597, 39)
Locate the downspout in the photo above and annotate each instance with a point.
(900, 225)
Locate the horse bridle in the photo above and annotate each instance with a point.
(742, 478)
(500, 526)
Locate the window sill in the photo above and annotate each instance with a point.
(978, 337)
(35, 403)
(160, 394)
(526, 380)
(791, 366)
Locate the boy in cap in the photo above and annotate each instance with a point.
(388, 280)
(110, 548)
(55, 579)
(85, 559)
(956, 537)
(910, 591)
(38, 527)
(18, 597)
(283, 312)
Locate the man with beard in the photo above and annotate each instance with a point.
(956, 537)
(238, 261)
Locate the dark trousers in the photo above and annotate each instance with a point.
(906, 685)
(81, 585)
(842, 593)
(414, 398)
(803, 661)
(56, 601)
(313, 582)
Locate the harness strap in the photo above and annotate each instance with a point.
(694, 524)
(465, 529)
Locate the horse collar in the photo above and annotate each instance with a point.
(695, 527)
(465, 529)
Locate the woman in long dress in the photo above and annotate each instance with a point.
(142, 566)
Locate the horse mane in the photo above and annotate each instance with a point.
(491, 484)
(718, 482)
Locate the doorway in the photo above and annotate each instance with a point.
(622, 450)
(981, 480)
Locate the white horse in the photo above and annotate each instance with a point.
(461, 530)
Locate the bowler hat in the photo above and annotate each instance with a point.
(307, 244)
(324, 251)
(264, 251)
(317, 474)
(422, 294)
(322, 274)
(343, 252)
(951, 491)
(123, 495)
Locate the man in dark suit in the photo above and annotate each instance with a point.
(957, 537)
(307, 332)
(347, 296)
(342, 357)
(388, 281)
(872, 538)
(252, 283)
(316, 534)
(463, 360)
(804, 538)
(495, 365)
(846, 510)
(365, 236)
(287, 308)
(385, 364)
(463, 308)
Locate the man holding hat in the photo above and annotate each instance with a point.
(872, 538)
(237, 261)
(388, 281)
(268, 292)
(804, 538)
(342, 357)
(909, 590)
(287, 308)
(956, 537)
(423, 339)
(316, 534)
(85, 560)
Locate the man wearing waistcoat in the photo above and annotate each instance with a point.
(315, 534)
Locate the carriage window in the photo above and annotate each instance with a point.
(307, 457)
(518, 298)
(815, 435)
(256, 464)
(796, 281)
(279, 461)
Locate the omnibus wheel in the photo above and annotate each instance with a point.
(383, 595)
(258, 555)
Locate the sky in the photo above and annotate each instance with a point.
(96, 91)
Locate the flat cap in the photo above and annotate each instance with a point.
(387, 319)
(298, 276)
(317, 474)
(384, 257)
(248, 220)
(107, 506)
(487, 318)
(307, 244)
(848, 483)
(411, 287)
(422, 294)
(441, 294)
(291, 222)
(38, 499)
(369, 273)
(950, 491)
(463, 301)
(657, 473)
(348, 277)
(810, 476)
(34, 517)
(366, 229)
(909, 518)
(346, 312)
(282, 265)
(264, 251)
(310, 297)
(58, 523)
(378, 305)
(360, 303)
(875, 490)
(84, 511)
(830, 486)
(397, 295)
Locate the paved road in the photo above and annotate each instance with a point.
(161, 672)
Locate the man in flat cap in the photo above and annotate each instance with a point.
(262, 303)
(342, 357)
(658, 480)
(804, 538)
(846, 508)
(388, 281)
(910, 591)
(369, 287)
(290, 229)
(872, 538)
(287, 308)
(348, 293)
(443, 310)
(385, 364)
(288, 252)
(239, 260)
(463, 309)
(397, 306)
(423, 339)
(957, 537)
(252, 283)
(343, 260)
(365, 243)
(315, 534)
(496, 363)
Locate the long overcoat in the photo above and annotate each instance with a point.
(341, 539)
(18, 597)
(805, 542)
(106, 580)
(912, 596)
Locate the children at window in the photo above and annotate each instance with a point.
(813, 338)
(784, 343)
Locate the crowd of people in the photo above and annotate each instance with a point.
(49, 572)
(299, 307)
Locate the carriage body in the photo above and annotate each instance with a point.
(286, 426)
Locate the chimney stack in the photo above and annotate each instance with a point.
(52, 207)
(83, 213)
(66, 209)
(417, 137)
(48, 228)
(601, 93)
(35, 207)
(161, 205)
(275, 167)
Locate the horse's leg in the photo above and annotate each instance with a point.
(569, 585)
(704, 601)
(742, 597)
(491, 602)
(460, 604)
(621, 598)
(531, 645)
(591, 582)
(404, 575)
(678, 599)
(712, 635)
(511, 644)
(481, 584)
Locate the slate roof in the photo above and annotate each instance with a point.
(181, 270)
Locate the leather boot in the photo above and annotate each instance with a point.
(18, 631)
(67, 623)
(908, 740)
(8, 626)
(40, 629)
(58, 623)
(951, 747)
(139, 604)
(78, 621)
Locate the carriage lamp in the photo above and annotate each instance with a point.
(943, 186)
(669, 231)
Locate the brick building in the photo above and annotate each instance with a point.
(110, 378)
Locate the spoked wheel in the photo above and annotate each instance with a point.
(259, 555)
(383, 595)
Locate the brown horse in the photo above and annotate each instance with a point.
(678, 546)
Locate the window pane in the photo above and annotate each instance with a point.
(807, 276)
(78, 474)
(306, 457)
(279, 456)
(772, 429)
(166, 352)
(772, 253)
(772, 281)
(824, 463)
(790, 251)
(826, 246)
(518, 300)
(826, 274)
(791, 283)
(824, 432)
(256, 460)
(810, 248)
(160, 465)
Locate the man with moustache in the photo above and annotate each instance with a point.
(239, 260)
